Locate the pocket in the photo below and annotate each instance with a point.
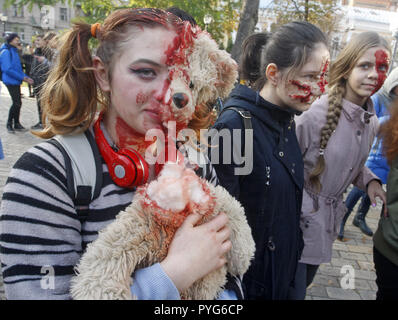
(312, 226)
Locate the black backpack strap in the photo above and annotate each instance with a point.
(245, 114)
(98, 164)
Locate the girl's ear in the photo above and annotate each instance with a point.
(101, 74)
(272, 73)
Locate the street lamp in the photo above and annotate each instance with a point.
(3, 19)
(207, 19)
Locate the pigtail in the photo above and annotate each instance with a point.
(250, 62)
(335, 100)
(69, 96)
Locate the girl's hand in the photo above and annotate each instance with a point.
(40, 58)
(196, 251)
(28, 80)
(375, 190)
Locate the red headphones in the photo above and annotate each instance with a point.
(128, 169)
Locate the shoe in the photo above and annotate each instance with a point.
(10, 128)
(19, 127)
(37, 126)
(359, 221)
(342, 225)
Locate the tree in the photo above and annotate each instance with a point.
(323, 13)
(247, 24)
(224, 13)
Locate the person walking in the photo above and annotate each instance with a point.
(27, 58)
(376, 160)
(13, 76)
(42, 62)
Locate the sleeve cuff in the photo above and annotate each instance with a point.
(227, 295)
(152, 283)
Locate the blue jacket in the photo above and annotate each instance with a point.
(271, 194)
(376, 160)
(11, 65)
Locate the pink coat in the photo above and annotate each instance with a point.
(345, 156)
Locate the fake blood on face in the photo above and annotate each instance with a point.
(302, 87)
(177, 53)
(381, 68)
(322, 83)
(128, 137)
(141, 98)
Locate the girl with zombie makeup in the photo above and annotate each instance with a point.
(284, 72)
(335, 138)
(376, 161)
(139, 53)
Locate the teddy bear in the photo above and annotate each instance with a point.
(140, 235)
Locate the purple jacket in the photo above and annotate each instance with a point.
(345, 156)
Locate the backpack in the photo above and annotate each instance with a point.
(83, 169)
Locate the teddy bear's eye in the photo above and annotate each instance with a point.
(191, 85)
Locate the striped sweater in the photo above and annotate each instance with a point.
(41, 238)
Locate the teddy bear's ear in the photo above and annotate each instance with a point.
(213, 71)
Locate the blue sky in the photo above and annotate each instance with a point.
(264, 3)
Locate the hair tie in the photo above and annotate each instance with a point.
(94, 28)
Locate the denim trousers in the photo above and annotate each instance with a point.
(353, 198)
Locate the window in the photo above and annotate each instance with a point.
(63, 14)
(17, 12)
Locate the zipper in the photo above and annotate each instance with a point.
(267, 175)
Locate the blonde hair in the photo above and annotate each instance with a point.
(340, 70)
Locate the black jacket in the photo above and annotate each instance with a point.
(39, 74)
(271, 194)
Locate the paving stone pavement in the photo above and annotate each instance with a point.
(353, 255)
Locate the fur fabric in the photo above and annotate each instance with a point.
(138, 238)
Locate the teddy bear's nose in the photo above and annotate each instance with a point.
(180, 100)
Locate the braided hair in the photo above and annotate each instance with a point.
(340, 71)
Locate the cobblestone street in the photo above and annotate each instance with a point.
(355, 252)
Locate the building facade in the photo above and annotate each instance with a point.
(37, 21)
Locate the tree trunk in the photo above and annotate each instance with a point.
(306, 11)
(247, 23)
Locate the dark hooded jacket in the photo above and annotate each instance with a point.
(271, 194)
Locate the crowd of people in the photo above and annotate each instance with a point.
(30, 64)
(317, 128)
